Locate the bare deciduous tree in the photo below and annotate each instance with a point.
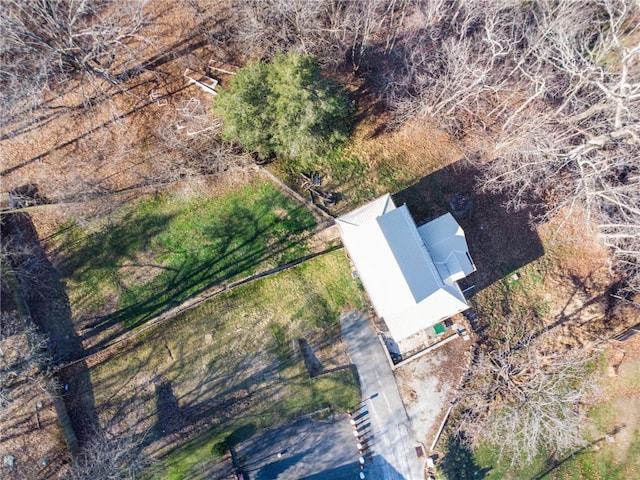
(556, 85)
(576, 139)
(49, 43)
(334, 32)
(110, 457)
(525, 400)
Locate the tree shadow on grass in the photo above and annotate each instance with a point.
(107, 249)
(232, 390)
(241, 434)
(459, 463)
(500, 241)
(234, 243)
(170, 417)
(189, 282)
(49, 308)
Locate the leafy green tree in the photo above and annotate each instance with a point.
(287, 109)
(244, 109)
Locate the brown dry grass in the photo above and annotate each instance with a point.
(419, 148)
(111, 144)
(572, 239)
(578, 282)
(383, 160)
(29, 428)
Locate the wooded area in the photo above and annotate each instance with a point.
(542, 98)
(552, 87)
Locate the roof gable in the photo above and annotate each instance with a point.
(447, 244)
(368, 212)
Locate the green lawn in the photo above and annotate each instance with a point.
(234, 364)
(159, 251)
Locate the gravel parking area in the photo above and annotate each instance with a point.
(428, 384)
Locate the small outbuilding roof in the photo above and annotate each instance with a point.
(409, 273)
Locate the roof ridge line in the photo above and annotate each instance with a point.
(425, 251)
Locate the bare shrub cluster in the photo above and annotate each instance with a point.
(108, 456)
(337, 33)
(188, 138)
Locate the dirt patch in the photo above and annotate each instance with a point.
(577, 286)
(324, 238)
(410, 394)
(628, 414)
(141, 270)
(429, 384)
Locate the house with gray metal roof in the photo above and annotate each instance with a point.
(409, 272)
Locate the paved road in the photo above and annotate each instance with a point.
(382, 418)
(326, 450)
(305, 449)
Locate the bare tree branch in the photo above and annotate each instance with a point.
(49, 43)
(110, 457)
(526, 400)
(556, 85)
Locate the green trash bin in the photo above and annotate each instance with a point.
(439, 328)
